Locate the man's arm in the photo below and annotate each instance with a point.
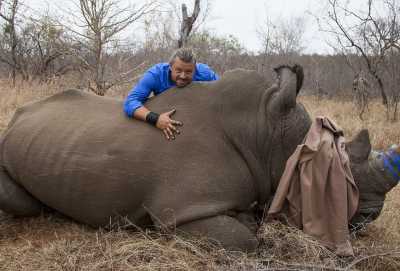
(133, 107)
(139, 94)
(213, 75)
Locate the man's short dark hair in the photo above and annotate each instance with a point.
(185, 54)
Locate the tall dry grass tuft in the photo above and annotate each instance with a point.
(52, 242)
(24, 92)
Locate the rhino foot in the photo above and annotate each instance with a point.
(224, 230)
(15, 200)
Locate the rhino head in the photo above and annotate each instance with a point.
(290, 123)
(374, 174)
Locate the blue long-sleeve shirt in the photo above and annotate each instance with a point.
(157, 79)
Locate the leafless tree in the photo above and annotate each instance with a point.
(283, 37)
(96, 31)
(371, 36)
(10, 39)
(46, 48)
(160, 36)
(32, 45)
(220, 52)
(187, 23)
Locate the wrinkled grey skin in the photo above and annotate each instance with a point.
(78, 154)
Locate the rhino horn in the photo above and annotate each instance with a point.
(386, 165)
(360, 147)
(290, 81)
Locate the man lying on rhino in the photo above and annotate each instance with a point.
(77, 153)
(181, 70)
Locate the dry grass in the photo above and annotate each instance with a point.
(51, 242)
(54, 243)
(382, 132)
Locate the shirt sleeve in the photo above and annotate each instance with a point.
(212, 76)
(205, 73)
(140, 93)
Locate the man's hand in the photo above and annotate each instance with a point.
(168, 125)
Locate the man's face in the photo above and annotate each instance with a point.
(182, 72)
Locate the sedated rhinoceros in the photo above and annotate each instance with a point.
(78, 154)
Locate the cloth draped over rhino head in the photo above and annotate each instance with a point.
(317, 192)
(389, 161)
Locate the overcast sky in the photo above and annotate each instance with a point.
(240, 18)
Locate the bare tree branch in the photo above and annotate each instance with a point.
(13, 39)
(282, 37)
(100, 21)
(333, 15)
(187, 23)
(371, 36)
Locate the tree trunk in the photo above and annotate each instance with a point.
(187, 23)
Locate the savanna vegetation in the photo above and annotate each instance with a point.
(44, 51)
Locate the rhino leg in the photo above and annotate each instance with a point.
(14, 199)
(225, 230)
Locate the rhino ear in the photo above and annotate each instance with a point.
(298, 70)
(290, 81)
(360, 147)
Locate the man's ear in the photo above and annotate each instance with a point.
(360, 147)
